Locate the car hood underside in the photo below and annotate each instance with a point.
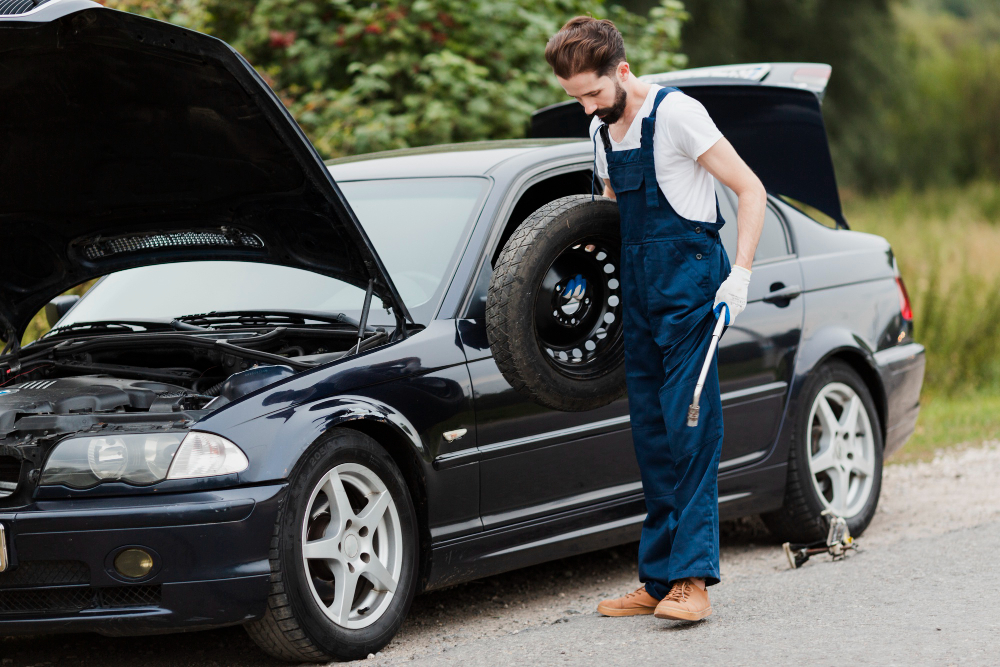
(126, 141)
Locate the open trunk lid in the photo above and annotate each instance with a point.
(770, 112)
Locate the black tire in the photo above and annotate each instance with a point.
(294, 627)
(800, 519)
(561, 344)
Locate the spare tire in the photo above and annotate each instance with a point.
(554, 310)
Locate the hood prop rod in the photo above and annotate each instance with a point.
(363, 324)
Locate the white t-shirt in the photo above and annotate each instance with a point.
(684, 131)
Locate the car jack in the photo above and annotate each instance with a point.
(838, 542)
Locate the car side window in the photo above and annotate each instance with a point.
(773, 242)
(534, 197)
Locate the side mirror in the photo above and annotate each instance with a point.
(59, 306)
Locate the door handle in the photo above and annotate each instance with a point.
(783, 294)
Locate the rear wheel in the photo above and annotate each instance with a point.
(343, 556)
(835, 461)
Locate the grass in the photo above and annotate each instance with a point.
(947, 245)
(951, 421)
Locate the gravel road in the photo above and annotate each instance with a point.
(924, 590)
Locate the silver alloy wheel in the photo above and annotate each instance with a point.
(352, 545)
(841, 449)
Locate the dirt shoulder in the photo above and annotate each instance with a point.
(957, 491)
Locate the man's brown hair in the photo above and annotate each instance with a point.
(585, 44)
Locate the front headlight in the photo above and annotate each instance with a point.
(207, 455)
(134, 458)
(141, 459)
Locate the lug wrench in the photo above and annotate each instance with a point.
(695, 406)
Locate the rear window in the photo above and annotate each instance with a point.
(773, 242)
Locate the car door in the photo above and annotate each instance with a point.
(536, 461)
(757, 353)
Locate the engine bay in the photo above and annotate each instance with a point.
(111, 380)
(180, 370)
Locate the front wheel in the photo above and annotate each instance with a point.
(343, 556)
(835, 460)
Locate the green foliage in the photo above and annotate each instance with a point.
(857, 37)
(950, 421)
(363, 76)
(946, 241)
(946, 129)
(915, 88)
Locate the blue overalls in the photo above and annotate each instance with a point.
(671, 268)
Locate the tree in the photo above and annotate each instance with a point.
(859, 38)
(363, 76)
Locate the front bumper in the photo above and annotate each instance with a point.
(901, 369)
(210, 553)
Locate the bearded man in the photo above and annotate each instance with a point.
(659, 153)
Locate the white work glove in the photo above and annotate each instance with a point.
(733, 293)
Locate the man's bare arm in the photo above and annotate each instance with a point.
(722, 161)
(608, 190)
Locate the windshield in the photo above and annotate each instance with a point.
(418, 227)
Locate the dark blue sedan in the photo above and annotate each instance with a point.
(278, 406)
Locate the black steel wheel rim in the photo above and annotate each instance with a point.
(578, 310)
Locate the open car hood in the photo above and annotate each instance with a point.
(126, 141)
(769, 112)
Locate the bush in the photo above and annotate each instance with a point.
(362, 76)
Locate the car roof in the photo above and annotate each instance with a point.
(474, 158)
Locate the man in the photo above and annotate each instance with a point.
(657, 151)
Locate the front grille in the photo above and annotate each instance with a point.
(212, 238)
(70, 599)
(51, 600)
(9, 7)
(10, 472)
(129, 596)
(46, 573)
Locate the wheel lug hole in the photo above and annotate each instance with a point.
(349, 523)
(350, 566)
(365, 558)
(363, 532)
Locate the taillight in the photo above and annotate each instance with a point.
(904, 300)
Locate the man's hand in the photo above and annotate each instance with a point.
(733, 293)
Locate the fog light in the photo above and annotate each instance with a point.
(133, 563)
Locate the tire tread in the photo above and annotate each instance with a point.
(506, 286)
(278, 632)
(796, 520)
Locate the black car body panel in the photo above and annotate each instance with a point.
(63, 552)
(498, 482)
(127, 141)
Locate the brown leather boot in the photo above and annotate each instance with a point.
(684, 602)
(630, 604)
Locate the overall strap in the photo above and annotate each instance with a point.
(648, 165)
(606, 140)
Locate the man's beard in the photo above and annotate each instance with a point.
(612, 114)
